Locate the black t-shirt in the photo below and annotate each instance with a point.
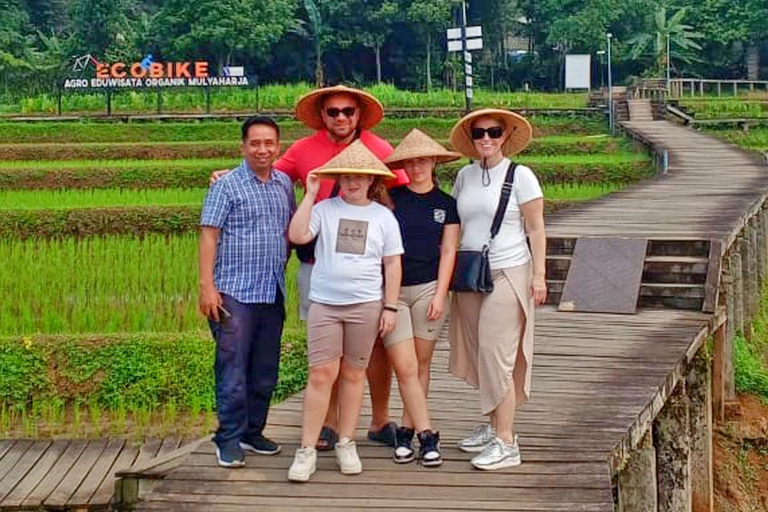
(421, 218)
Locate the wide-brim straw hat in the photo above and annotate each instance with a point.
(308, 107)
(355, 159)
(517, 130)
(417, 144)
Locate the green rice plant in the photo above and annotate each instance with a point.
(107, 285)
(755, 139)
(726, 108)
(95, 415)
(94, 198)
(579, 191)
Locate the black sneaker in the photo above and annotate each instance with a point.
(385, 435)
(260, 445)
(230, 456)
(403, 452)
(429, 449)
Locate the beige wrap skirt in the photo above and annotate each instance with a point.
(491, 337)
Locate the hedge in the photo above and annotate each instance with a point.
(131, 371)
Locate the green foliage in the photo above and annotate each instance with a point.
(730, 108)
(125, 373)
(750, 369)
(755, 138)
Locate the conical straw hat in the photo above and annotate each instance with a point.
(517, 130)
(418, 144)
(355, 159)
(308, 107)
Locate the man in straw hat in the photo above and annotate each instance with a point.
(339, 115)
(356, 236)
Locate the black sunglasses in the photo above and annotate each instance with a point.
(334, 112)
(494, 132)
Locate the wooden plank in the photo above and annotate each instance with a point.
(22, 466)
(712, 286)
(97, 474)
(103, 495)
(169, 445)
(35, 475)
(5, 446)
(12, 457)
(60, 496)
(57, 473)
(148, 451)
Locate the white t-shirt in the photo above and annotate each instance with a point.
(351, 242)
(477, 204)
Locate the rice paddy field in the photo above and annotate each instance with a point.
(99, 329)
(279, 97)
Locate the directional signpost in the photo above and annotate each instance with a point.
(465, 39)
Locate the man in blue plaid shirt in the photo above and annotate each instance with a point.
(243, 252)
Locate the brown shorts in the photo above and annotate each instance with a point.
(412, 315)
(342, 331)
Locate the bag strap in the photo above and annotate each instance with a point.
(506, 192)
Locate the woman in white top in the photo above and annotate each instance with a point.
(491, 335)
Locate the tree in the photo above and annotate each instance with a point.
(96, 25)
(682, 39)
(429, 17)
(376, 19)
(224, 29)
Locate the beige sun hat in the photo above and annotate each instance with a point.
(517, 130)
(355, 159)
(417, 144)
(308, 107)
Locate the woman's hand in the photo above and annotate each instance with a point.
(313, 184)
(217, 175)
(386, 322)
(539, 290)
(436, 307)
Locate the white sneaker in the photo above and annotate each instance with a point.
(347, 458)
(304, 465)
(498, 455)
(479, 440)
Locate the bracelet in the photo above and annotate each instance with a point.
(390, 307)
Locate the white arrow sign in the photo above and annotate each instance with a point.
(455, 33)
(472, 44)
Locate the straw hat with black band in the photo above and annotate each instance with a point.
(355, 159)
(308, 107)
(417, 144)
(517, 132)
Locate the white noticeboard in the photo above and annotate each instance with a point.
(578, 70)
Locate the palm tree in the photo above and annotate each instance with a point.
(682, 40)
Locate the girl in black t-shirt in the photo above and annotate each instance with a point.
(429, 224)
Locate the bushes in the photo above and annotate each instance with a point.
(132, 372)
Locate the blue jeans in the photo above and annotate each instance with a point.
(247, 360)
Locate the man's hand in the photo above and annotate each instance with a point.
(210, 300)
(217, 175)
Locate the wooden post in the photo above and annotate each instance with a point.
(637, 481)
(701, 88)
(693, 89)
(738, 287)
(719, 369)
(719, 89)
(728, 282)
(754, 265)
(746, 280)
(759, 231)
(673, 453)
(735, 88)
(698, 384)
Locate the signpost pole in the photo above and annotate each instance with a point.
(109, 102)
(610, 85)
(466, 57)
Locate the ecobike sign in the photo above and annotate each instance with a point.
(149, 73)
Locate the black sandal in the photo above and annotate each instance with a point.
(327, 440)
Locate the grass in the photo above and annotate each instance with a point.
(751, 356)
(389, 128)
(756, 138)
(90, 198)
(726, 108)
(283, 97)
(106, 285)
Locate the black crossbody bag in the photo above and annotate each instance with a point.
(472, 272)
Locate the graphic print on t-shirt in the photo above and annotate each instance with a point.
(352, 235)
(438, 215)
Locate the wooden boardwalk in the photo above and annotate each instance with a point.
(70, 474)
(599, 380)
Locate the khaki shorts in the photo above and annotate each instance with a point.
(412, 315)
(347, 332)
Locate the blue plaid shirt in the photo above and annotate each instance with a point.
(253, 245)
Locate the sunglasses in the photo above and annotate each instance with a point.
(334, 112)
(494, 132)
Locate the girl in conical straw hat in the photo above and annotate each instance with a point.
(491, 335)
(429, 225)
(356, 235)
